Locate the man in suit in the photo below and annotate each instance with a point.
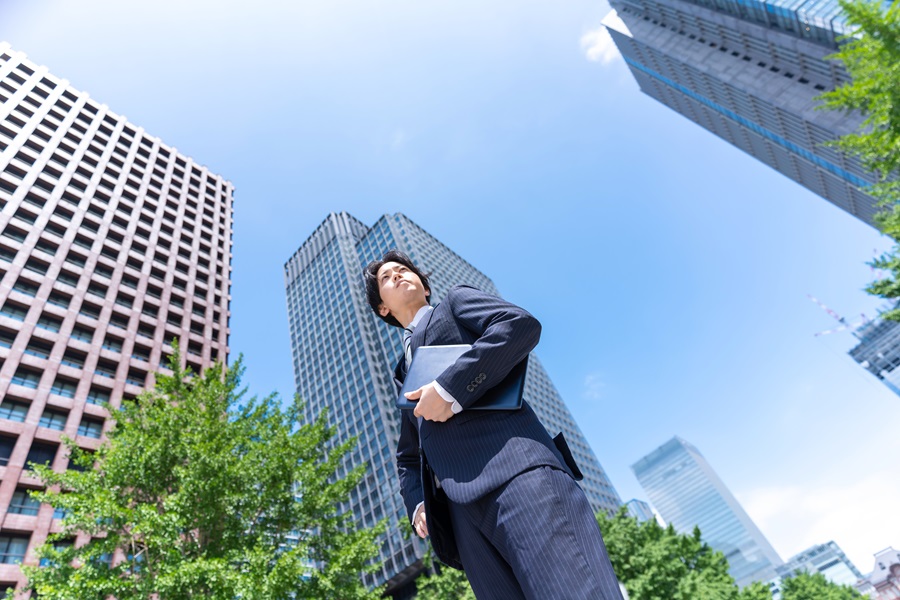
(496, 491)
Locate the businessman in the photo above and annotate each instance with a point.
(496, 494)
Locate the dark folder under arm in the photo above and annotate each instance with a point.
(430, 361)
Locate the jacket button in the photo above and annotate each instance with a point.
(471, 388)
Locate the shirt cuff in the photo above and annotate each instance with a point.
(456, 406)
(419, 507)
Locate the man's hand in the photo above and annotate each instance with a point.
(420, 526)
(431, 406)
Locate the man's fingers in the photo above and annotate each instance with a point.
(415, 394)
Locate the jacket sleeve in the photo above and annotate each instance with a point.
(506, 334)
(409, 464)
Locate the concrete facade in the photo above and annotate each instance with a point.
(112, 244)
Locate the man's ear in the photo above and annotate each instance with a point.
(427, 293)
(383, 310)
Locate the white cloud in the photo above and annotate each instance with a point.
(399, 139)
(593, 386)
(598, 46)
(858, 515)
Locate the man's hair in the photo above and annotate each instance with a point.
(370, 275)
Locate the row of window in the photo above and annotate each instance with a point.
(85, 119)
(52, 418)
(41, 453)
(91, 228)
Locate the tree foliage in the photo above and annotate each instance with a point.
(445, 584)
(200, 494)
(658, 563)
(805, 586)
(871, 56)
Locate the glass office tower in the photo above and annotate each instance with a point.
(878, 350)
(344, 357)
(687, 493)
(112, 244)
(827, 559)
(749, 71)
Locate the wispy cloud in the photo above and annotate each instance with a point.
(598, 46)
(851, 513)
(400, 139)
(594, 386)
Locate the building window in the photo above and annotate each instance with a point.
(82, 334)
(39, 348)
(26, 378)
(6, 339)
(64, 387)
(90, 428)
(54, 419)
(13, 411)
(6, 447)
(112, 344)
(49, 323)
(13, 311)
(23, 504)
(41, 453)
(12, 549)
(97, 396)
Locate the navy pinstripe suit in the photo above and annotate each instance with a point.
(512, 494)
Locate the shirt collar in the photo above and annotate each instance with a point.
(422, 312)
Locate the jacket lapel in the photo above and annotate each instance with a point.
(418, 336)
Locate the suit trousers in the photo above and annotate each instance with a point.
(534, 537)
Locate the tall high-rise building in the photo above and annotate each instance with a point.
(749, 71)
(112, 245)
(344, 358)
(686, 491)
(878, 351)
(827, 559)
(640, 510)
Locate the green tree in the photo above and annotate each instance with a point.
(871, 56)
(804, 586)
(658, 563)
(195, 495)
(445, 584)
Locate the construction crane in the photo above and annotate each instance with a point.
(844, 324)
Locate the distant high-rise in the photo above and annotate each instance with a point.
(827, 559)
(640, 510)
(686, 491)
(344, 358)
(112, 245)
(749, 71)
(878, 351)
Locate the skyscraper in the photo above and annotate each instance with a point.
(749, 71)
(112, 244)
(827, 559)
(878, 351)
(640, 510)
(687, 493)
(344, 358)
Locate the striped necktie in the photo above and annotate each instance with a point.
(407, 345)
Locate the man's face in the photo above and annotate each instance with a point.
(399, 287)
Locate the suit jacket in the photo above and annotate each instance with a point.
(474, 452)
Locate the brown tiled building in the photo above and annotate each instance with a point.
(112, 245)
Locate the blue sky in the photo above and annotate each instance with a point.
(670, 270)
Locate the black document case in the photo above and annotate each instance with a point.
(430, 361)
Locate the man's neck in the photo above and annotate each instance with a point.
(406, 316)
